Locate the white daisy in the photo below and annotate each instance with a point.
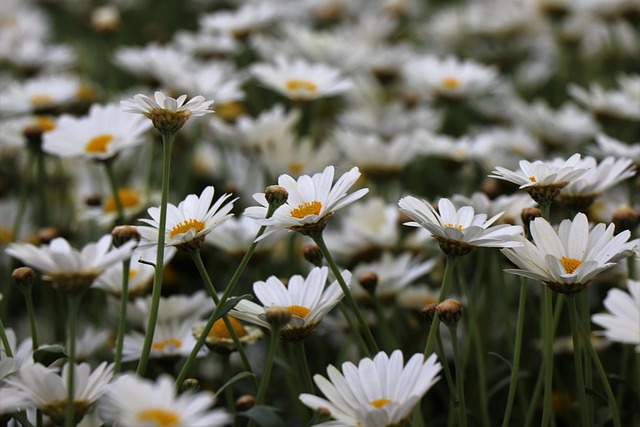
(511, 205)
(173, 308)
(242, 22)
(622, 322)
(615, 103)
(39, 93)
(236, 235)
(138, 402)
(376, 393)
(568, 260)
(190, 221)
(608, 146)
(459, 230)
(306, 299)
(170, 340)
(219, 338)
(299, 80)
(100, 135)
(312, 200)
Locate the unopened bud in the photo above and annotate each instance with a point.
(245, 402)
(123, 233)
(429, 312)
(191, 384)
(47, 234)
(449, 311)
(276, 195)
(625, 218)
(369, 281)
(277, 316)
(528, 215)
(323, 412)
(24, 277)
(313, 254)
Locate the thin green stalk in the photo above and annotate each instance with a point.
(354, 327)
(584, 315)
(301, 355)
(351, 302)
(28, 297)
(122, 321)
(447, 373)
(167, 141)
(577, 357)
(388, 339)
(547, 342)
(5, 340)
(41, 185)
(268, 366)
(73, 307)
(22, 200)
(517, 348)
(462, 408)
(444, 291)
(113, 182)
(228, 392)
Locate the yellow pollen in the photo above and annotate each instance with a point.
(185, 226)
(310, 208)
(379, 403)
(570, 264)
(160, 345)
(41, 100)
(128, 198)
(132, 274)
(296, 168)
(98, 144)
(298, 310)
(295, 85)
(532, 179)
(459, 227)
(159, 417)
(44, 123)
(220, 331)
(450, 83)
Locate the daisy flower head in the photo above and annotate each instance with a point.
(70, 269)
(299, 80)
(311, 201)
(190, 221)
(458, 231)
(138, 402)
(40, 94)
(101, 135)
(608, 146)
(167, 114)
(219, 338)
(171, 341)
(542, 180)
(622, 322)
(378, 392)
(567, 260)
(305, 298)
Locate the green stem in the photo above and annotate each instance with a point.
(28, 297)
(545, 210)
(41, 184)
(113, 183)
(5, 340)
(577, 357)
(354, 327)
(583, 314)
(228, 392)
(517, 348)
(547, 310)
(447, 372)
(167, 141)
(122, 321)
(301, 355)
(73, 307)
(268, 365)
(351, 302)
(444, 291)
(388, 339)
(462, 409)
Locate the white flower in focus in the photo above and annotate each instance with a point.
(306, 299)
(100, 135)
(189, 222)
(622, 322)
(459, 230)
(138, 402)
(312, 200)
(376, 393)
(568, 260)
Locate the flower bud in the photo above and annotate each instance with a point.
(47, 234)
(528, 215)
(191, 384)
(429, 312)
(24, 277)
(276, 196)
(449, 311)
(369, 281)
(245, 402)
(313, 254)
(624, 218)
(277, 316)
(123, 233)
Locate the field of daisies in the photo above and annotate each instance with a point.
(267, 213)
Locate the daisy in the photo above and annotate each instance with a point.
(219, 338)
(236, 235)
(459, 230)
(40, 94)
(100, 135)
(46, 390)
(376, 393)
(568, 260)
(306, 299)
(311, 201)
(190, 221)
(297, 156)
(71, 270)
(138, 402)
(615, 104)
(510, 205)
(242, 22)
(171, 340)
(299, 80)
(622, 322)
(608, 146)
(152, 61)
(173, 308)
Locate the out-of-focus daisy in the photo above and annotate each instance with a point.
(171, 340)
(312, 200)
(511, 206)
(505, 146)
(379, 392)
(40, 94)
(459, 151)
(608, 146)
(190, 221)
(173, 308)
(459, 230)
(236, 235)
(219, 338)
(603, 103)
(100, 135)
(622, 322)
(242, 22)
(299, 80)
(90, 341)
(104, 211)
(417, 297)
(306, 299)
(568, 260)
(46, 390)
(297, 156)
(138, 402)
(72, 270)
(152, 61)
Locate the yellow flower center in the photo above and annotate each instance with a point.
(44, 123)
(98, 144)
(532, 179)
(229, 110)
(296, 168)
(295, 85)
(379, 403)
(570, 264)
(459, 227)
(298, 310)
(132, 274)
(159, 417)
(309, 208)
(41, 100)
(85, 92)
(185, 226)
(450, 83)
(169, 342)
(220, 331)
(128, 198)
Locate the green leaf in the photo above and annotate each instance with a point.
(47, 354)
(264, 416)
(233, 380)
(232, 302)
